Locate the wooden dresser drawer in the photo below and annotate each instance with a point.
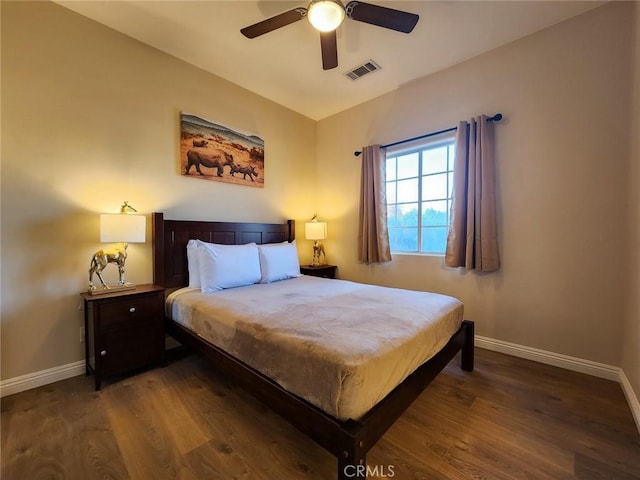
(133, 309)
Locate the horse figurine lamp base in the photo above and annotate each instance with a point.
(100, 260)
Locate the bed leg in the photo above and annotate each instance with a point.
(467, 349)
(352, 464)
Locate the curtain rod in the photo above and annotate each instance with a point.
(496, 118)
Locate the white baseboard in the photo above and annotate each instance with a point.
(632, 399)
(549, 358)
(43, 377)
(51, 375)
(601, 370)
(588, 367)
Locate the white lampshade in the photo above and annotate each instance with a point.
(325, 15)
(122, 228)
(315, 230)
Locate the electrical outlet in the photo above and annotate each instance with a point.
(81, 334)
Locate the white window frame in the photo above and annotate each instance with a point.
(418, 147)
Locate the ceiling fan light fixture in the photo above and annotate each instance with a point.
(325, 15)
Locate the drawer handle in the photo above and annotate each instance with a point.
(103, 353)
(132, 309)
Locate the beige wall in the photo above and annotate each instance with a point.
(631, 346)
(562, 158)
(90, 118)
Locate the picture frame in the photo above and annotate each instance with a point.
(215, 152)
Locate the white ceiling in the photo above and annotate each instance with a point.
(285, 65)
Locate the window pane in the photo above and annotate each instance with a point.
(408, 166)
(403, 239)
(434, 213)
(408, 190)
(391, 192)
(434, 240)
(393, 235)
(391, 168)
(434, 160)
(407, 215)
(434, 187)
(392, 219)
(451, 185)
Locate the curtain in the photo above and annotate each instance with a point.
(373, 234)
(472, 242)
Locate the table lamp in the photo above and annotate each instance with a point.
(121, 228)
(315, 230)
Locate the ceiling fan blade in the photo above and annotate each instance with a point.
(273, 23)
(329, 46)
(382, 16)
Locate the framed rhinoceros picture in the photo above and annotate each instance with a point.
(212, 151)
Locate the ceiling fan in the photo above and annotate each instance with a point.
(327, 15)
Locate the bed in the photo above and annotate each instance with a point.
(346, 428)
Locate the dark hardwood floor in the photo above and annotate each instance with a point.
(509, 419)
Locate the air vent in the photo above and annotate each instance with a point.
(363, 70)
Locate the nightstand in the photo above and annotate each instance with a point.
(123, 330)
(325, 271)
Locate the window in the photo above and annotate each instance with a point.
(419, 189)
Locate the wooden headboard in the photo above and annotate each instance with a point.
(170, 239)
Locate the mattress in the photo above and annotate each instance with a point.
(340, 345)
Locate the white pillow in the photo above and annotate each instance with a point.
(227, 266)
(278, 261)
(193, 264)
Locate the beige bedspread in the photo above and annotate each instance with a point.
(342, 346)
